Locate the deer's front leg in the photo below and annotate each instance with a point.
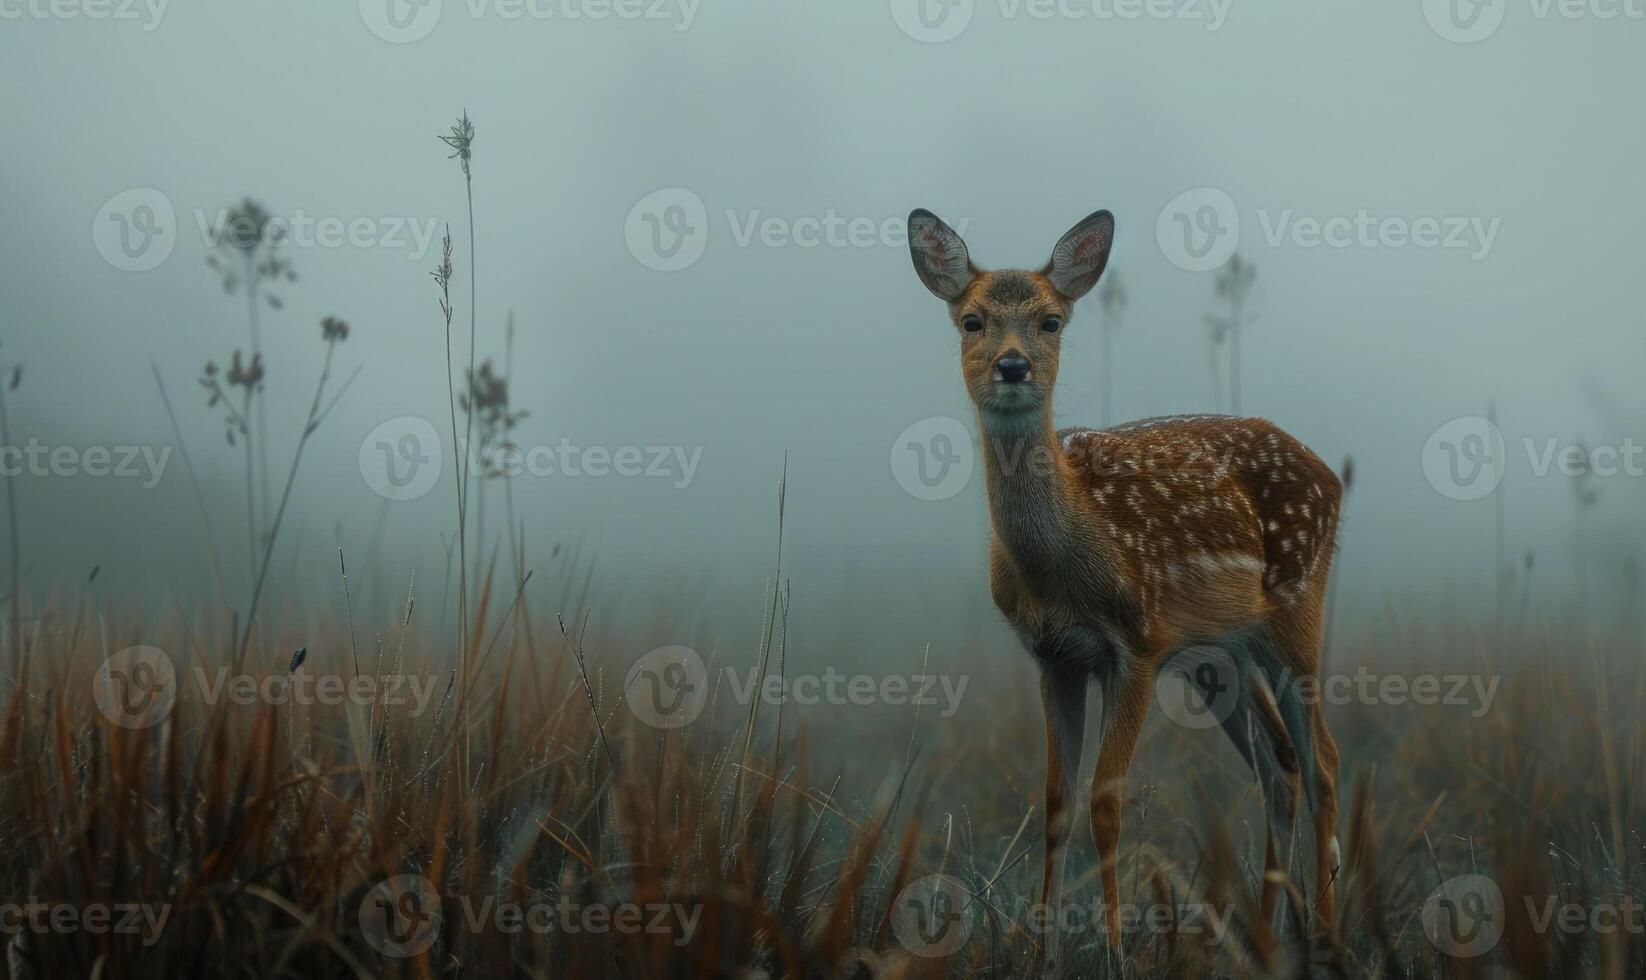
(1063, 695)
(1126, 705)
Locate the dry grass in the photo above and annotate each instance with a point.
(263, 827)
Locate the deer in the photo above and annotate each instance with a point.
(1196, 543)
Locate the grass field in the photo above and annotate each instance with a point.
(179, 823)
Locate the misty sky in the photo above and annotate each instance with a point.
(1524, 148)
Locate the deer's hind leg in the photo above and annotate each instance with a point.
(1294, 673)
(1238, 696)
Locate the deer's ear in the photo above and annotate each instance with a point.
(1080, 256)
(939, 255)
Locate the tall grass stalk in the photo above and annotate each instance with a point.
(335, 331)
(765, 651)
(15, 601)
(461, 142)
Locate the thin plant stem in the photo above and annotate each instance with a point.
(16, 545)
(194, 482)
(262, 413)
(314, 418)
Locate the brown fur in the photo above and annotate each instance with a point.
(1112, 549)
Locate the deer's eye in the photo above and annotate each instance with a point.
(971, 323)
(1050, 324)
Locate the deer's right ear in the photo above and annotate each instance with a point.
(939, 255)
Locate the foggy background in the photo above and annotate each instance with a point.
(1012, 130)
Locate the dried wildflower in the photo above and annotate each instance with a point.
(334, 329)
(461, 140)
(248, 376)
(443, 272)
(487, 402)
(249, 238)
(246, 225)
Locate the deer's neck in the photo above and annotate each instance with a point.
(1027, 481)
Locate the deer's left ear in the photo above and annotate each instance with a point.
(1080, 256)
(940, 257)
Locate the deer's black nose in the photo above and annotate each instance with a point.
(1012, 368)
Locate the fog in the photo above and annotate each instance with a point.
(1437, 227)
